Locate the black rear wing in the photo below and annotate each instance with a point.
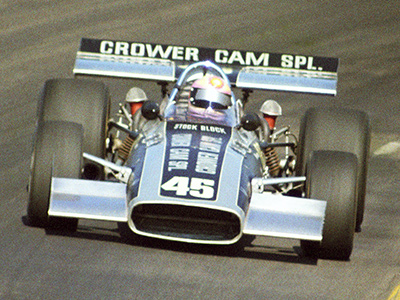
(245, 69)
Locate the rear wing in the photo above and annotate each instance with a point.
(245, 69)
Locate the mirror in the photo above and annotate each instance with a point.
(150, 110)
(250, 121)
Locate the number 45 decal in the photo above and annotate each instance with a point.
(196, 187)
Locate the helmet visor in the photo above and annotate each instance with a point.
(206, 98)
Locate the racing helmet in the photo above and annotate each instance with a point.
(271, 110)
(135, 98)
(210, 92)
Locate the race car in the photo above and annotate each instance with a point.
(194, 167)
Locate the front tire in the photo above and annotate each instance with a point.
(332, 176)
(57, 153)
(337, 129)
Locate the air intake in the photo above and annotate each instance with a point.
(182, 222)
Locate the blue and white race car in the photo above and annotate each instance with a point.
(194, 167)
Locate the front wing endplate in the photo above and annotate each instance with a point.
(88, 199)
(286, 217)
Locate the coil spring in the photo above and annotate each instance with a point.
(126, 147)
(272, 161)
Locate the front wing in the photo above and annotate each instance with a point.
(268, 214)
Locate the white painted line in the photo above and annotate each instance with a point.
(389, 148)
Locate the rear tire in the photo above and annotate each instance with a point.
(337, 129)
(85, 102)
(57, 153)
(332, 176)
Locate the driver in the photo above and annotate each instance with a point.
(209, 98)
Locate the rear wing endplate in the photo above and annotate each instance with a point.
(245, 69)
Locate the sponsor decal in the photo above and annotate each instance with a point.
(194, 155)
(149, 50)
(220, 56)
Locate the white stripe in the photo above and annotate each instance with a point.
(387, 149)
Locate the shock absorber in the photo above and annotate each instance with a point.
(125, 148)
(272, 161)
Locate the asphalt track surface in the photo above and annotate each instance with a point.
(39, 40)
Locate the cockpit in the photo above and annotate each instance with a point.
(203, 94)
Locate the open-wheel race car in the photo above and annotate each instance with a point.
(194, 167)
